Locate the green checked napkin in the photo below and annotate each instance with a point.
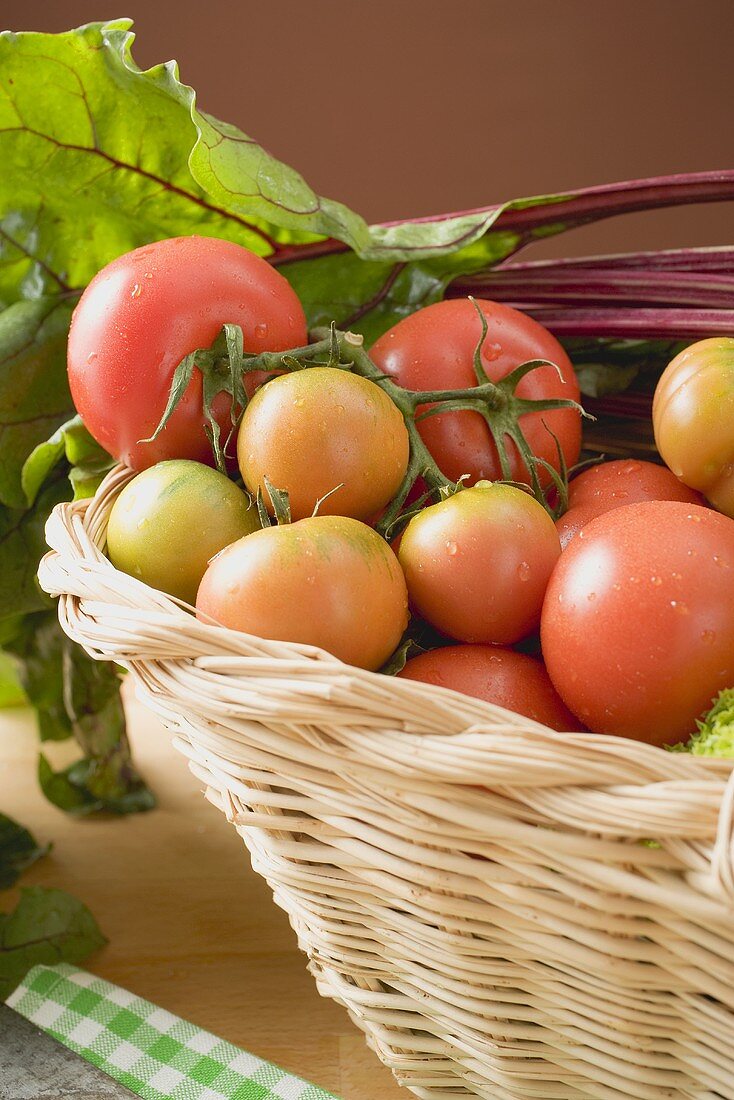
(150, 1051)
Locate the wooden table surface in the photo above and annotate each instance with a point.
(191, 927)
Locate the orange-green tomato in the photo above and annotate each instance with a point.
(319, 428)
(478, 563)
(693, 418)
(170, 520)
(326, 581)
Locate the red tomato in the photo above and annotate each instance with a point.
(638, 621)
(478, 563)
(143, 313)
(327, 581)
(692, 417)
(614, 484)
(433, 349)
(501, 676)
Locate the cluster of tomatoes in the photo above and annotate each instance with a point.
(617, 616)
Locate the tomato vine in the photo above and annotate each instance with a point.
(224, 365)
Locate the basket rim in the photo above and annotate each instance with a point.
(75, 533)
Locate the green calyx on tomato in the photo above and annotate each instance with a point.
(479, 345)
(503, 405)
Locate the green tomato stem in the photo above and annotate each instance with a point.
(224, 365)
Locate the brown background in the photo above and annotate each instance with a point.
(409, 107)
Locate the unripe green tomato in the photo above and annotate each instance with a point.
(170, 521)
(692, 415)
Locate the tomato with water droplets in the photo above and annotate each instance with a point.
(637, 628)
(433, 349)
(324, 431)
(497, 675)
(143, 313)
(478, 563)
(611, 485)
(326, 581)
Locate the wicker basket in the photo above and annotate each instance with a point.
(481, 893)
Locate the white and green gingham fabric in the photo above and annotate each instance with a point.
(150, 1051)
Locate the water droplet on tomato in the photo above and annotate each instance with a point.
(523, 571)
(591, 596)
(451, 548)
(657, 581)
(136, 290)
(631, 468)
(490, 352)
(93, 355)
(261, 330)
(708, 636)
(299, 402)
(680, 607)
(148, 275)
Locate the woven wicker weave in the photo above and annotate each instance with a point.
(478, 891)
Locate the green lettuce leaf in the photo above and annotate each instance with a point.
(76, 696)
(22, 544)
(18, 850)
(46, 927)
(34, 393)
(100, 157)
(714, 735)
(11, 693)
(88, 461)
